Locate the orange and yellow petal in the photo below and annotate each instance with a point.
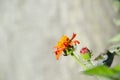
(62, 42)
(58, 53)
(76, 42)
(73, 36)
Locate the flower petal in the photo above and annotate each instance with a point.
(73, 36)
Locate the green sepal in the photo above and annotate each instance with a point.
(86, 56)
(68, 51)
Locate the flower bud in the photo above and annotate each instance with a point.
(85, 54)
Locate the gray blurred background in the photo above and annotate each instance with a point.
(30, 28)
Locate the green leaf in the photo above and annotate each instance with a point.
(116, 70)
(102, 71)
(116, 38)
(105, 72)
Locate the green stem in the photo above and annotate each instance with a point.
(78, 61)
(90, 63)
(93, 66)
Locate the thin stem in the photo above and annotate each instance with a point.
(93, 66)
(90, 63)
(78, 61)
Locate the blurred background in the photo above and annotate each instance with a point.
(30, 28)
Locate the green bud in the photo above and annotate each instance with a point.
(85, 54)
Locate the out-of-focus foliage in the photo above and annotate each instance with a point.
(117, 22)
(116, 4)
(116, 38)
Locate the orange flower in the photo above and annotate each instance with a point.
(65, 43)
